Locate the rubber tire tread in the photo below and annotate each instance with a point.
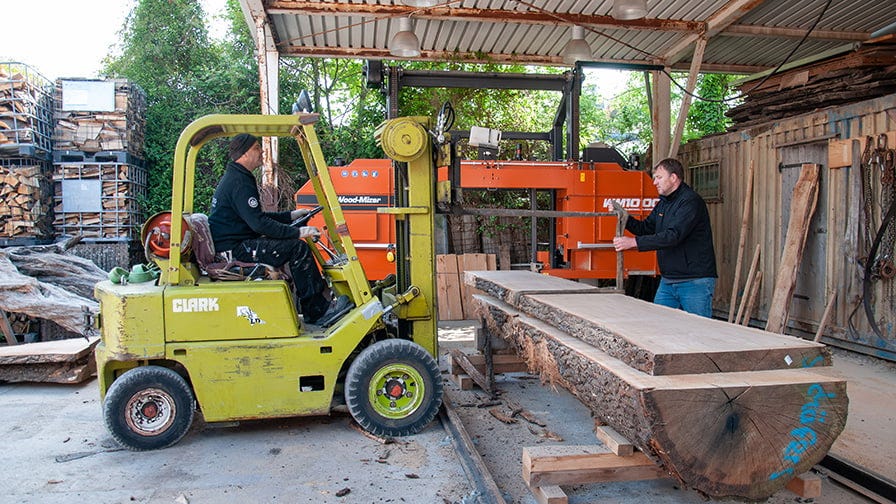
(132, 382)
(366, 365)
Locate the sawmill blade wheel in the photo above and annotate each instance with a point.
(148, 408)
(393, 388)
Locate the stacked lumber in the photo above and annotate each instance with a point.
(727, 410)
(865, 73)
(116, 215)
(25, 112)
(25, 199)
(121, 129)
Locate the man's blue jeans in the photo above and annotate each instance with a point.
(693, 296)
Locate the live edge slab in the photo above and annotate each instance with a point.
(727, 410)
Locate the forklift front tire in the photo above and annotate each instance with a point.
(393, 388)
(148, 408)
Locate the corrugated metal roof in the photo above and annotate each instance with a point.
(743, 35)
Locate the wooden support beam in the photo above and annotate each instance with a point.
(806, 485)
(460, 358)
(616, 442)
(551, 494)
(661, 117)
(575, 465)
(696, 61)
(504, 363)
(727, 15)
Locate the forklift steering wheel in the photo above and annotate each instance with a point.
(301, 221)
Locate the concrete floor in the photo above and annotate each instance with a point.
(54, 447)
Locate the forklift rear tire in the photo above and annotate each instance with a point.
(393, 388)
(149, 408)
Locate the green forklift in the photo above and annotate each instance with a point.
(238, 350)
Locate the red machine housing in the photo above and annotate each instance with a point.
(585, 242)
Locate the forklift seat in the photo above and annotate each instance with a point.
(222, 266)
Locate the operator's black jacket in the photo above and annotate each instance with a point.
(678, 229)
(236, 212)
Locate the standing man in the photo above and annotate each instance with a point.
(238, 225)
(678, 229)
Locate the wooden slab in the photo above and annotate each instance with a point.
(651, 338)
(733, 434)
(508, 286)
(67, 350)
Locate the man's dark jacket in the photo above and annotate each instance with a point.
(678, 229)
(236, 213)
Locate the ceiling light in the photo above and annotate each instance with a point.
(405, 43)
(421, 3)
(577, 49)
(627, 10)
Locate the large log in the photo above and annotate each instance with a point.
(730, 433)
(47, 283)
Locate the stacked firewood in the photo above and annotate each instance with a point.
(116, 214)
(24, 107)
(859, 75)
(25, 200)
(91, 131)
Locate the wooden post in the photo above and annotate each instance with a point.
(741, 244)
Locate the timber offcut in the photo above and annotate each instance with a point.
(729, 411)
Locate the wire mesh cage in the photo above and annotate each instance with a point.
(26, 112)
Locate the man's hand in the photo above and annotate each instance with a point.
(298, 214)
(618, 208)
(621, 243)
(308, 232)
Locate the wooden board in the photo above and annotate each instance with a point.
(805, 196)
(724, 434)
(448, 288)
(470, 262)
(651, 338)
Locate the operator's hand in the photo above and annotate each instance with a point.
(298, 214)
(619, 208)
(621, 243)
(308, 232)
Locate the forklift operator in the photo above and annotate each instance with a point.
(238, 225)
(678, 229)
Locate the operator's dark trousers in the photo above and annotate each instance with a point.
(306, 277)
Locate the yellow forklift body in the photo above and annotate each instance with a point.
(222, 311)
